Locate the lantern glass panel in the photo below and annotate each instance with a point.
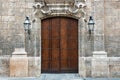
(91, 27)
(91, 24)
(27, 23)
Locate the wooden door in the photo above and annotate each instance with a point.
(59, 45)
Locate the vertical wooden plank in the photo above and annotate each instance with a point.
(63, 44)
(55, 44)
(45, 45)
(73, 45)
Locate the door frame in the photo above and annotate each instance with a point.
(82, 34)
(81, 41)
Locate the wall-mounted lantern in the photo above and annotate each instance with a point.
(91, 25)
(27, 26)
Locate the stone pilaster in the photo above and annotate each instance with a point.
(99, 60)
(37, 43)
(98, 11)
(81, 47)
(81, 37)
(36, 38)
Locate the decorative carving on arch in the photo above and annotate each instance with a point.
(76, 9)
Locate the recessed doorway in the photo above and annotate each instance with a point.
(59, 45)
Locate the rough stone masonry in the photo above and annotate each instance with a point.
(93, 62)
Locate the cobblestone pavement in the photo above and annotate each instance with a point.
(58, 77)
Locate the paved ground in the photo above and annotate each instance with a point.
(58, 77)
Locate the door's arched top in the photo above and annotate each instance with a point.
(67, 17)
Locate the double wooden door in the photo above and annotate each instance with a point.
(59, 45)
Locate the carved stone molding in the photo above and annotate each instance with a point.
(42, 9)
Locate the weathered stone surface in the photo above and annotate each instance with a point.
(88, 63)
(19, 63)
(82, 66)
(99, 25)
(112, 30)
(106, 14)
(34, 67)
(4, 66)
(100, 64)
(114, 67)
(19, 67)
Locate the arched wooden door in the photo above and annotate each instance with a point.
(59, 45)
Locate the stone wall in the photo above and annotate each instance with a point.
(12, 16)
(13, 12)
(87, 66)
(33, 67)
(4, 66)
(114, 67)
(112, 27)
(100, 67)
(106, 14)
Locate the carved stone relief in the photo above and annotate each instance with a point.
(43, 9)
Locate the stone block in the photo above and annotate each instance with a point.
(34, 67)
(114, 71)
(82, 67)
(19, 63)
(30, 0)
(114, 67)
(98, 42)
(5, 5)
(20, 5)
(4, 26)
(11, 12)
(99, 68)
(0, 52)
(11, 5)
(22, 0)
(4, 11)
(4, 66)
(99, 65)
(8, 18)
(19, 67)
(88, 66)
(29, 5)
(19, 12)
(19, 52)
(99, 54)
(98, 29)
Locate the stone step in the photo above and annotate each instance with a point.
(60, 77)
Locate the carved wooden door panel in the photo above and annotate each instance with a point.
(59, 45)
